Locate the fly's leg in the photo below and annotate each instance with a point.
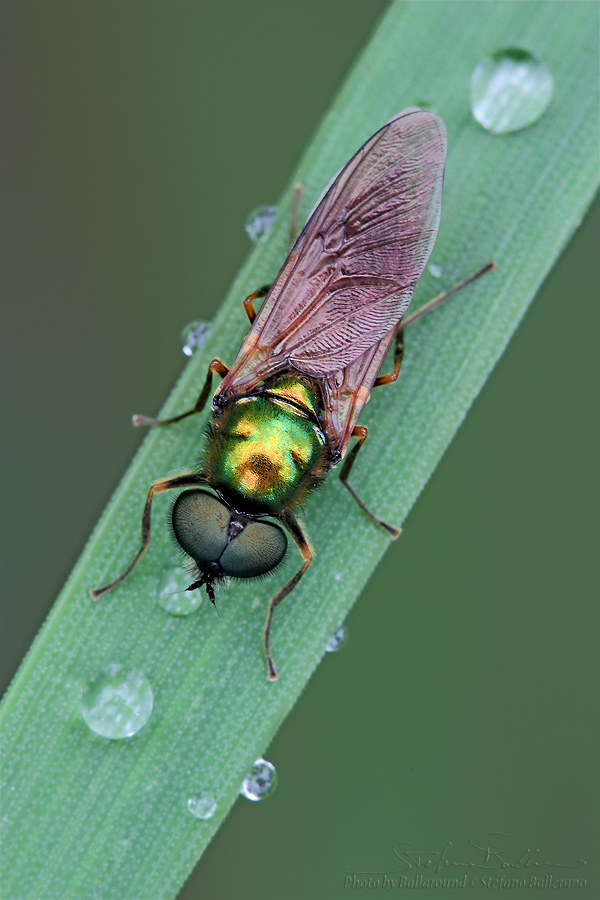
(264, 290)
(249, 301)
(360, 432)
(391, 377)
(445, 295)
(218, 368)
(181, 481)
(293, 526)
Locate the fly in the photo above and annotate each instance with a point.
(287, 408)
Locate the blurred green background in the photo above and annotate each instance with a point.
(135, 139)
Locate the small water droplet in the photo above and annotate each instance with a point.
(117, 702)
(337, 640)
(435, 270)
(172, 595)
(202, 805)
(194, 336)
(510, 90)
(259, 222)
(260, 782)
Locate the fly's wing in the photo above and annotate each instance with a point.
(351, 274)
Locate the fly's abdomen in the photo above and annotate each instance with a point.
(266, 450)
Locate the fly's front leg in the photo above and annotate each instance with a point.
(216, 366)
(360, 432)
(181, 481)
(293, 526)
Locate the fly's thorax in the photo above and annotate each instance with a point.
(265, 451)
(298, 392)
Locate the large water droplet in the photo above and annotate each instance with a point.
(202, 805)
(172, 595)
(259, 222)
(194, 336)
(510, 90)
(260, 782)
(117, 702)
(337, 640)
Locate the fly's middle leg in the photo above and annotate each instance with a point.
(360, 432)
(294, 528)
(216, 366)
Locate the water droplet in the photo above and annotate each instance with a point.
(194, 336)
(202, 805)
(117, 702)
(260, 782)
(435, 270)
(510, 90)
(337, 640)
(172, 595)
(259, 222)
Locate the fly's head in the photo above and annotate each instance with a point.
(223, 542)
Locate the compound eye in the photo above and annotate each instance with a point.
(200, 524)
(256, 550)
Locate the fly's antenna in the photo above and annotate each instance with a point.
(209, 590)
(211, 597)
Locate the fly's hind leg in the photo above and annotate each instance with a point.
(360, 432)
(391, 377)
(249, 301)
(180, 481)
(264, 290)
(293, 526)
(216, 366)
(445, 295)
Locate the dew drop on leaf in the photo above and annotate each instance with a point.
(117, 702)
(260, 782)
(194, 336)
(259, 222)
(510, 90)
(172, 595)
(337, 640)
(202, 805)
